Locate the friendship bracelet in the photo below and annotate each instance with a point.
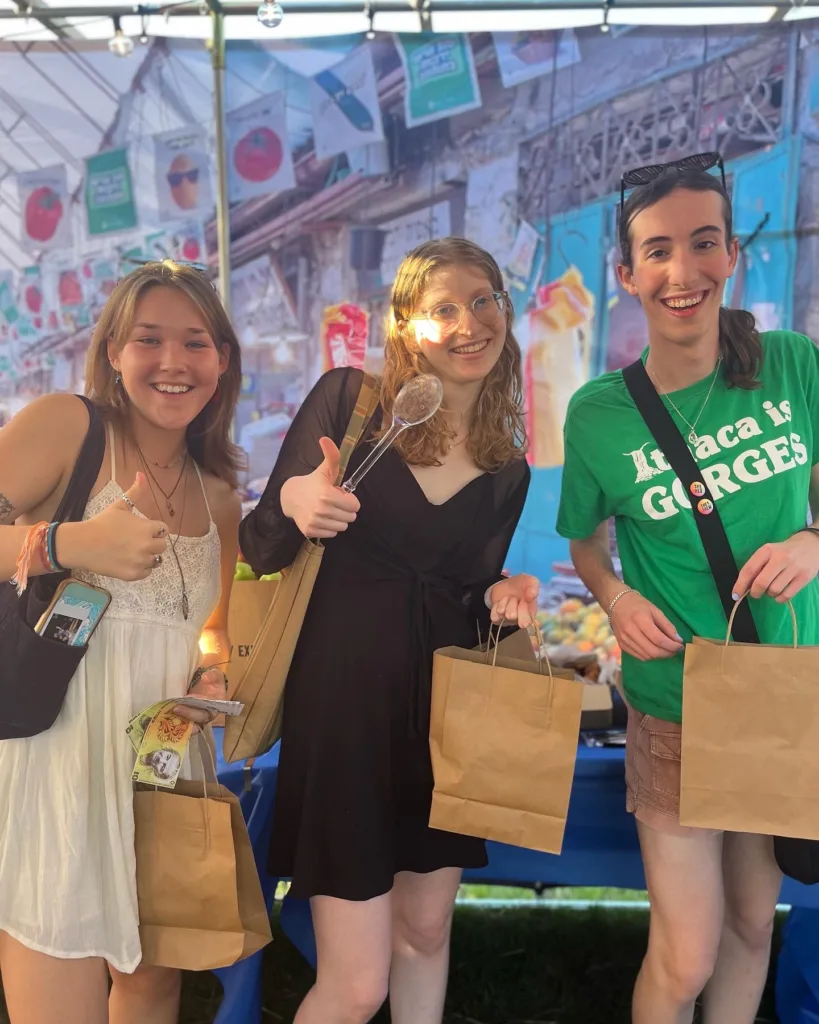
(34, 540)
(51, 548)
(622, 593)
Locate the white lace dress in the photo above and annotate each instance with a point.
(67, 869)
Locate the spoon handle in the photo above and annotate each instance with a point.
(350, 484)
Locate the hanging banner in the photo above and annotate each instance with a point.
(344, 330)
(441, 80)
(526, 55)
(493, 186)
(109, 194)
(183, 186)
(32, 322)
(9, 314)
(258, 150)
(99, 278)
(69, 296)
(188, 243)
(45, 222)
(522, 257)
(344, 100)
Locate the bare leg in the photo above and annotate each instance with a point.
(149, 994)
(353, 941)
(422, 922)
(752, 881)
(42, 989)
(684, 878)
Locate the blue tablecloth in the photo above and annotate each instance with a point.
(600, 848)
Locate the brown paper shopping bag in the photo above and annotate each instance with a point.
(200, 899)
(250, 602)
(503, 742)
(261, 688)
(750, 759)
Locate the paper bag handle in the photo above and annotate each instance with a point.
(534, 629)
(734, 611)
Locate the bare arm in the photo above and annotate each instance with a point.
(215, 642)
(781, 570)
(38, 451)
(34, 469)
(592, 559)
(642, 630)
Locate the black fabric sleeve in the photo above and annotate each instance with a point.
(511, 487)
(269, 540)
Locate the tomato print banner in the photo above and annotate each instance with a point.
(259, 157)
(45, 223)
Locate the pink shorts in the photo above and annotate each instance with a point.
(653, 774)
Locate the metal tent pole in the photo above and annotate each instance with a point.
(222, 197)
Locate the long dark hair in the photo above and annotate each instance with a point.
(739, 342)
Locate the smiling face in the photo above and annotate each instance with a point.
(681, 258)
(169, 362)
(460, 346)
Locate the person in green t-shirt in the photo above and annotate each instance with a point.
(748, 405)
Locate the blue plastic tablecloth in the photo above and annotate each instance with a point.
(600, 848)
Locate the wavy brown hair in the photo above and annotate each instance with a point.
(739, 342)
(208, 436)
(497, 431)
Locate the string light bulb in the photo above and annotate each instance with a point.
(119, 43)
(370, 16)
(270, 13)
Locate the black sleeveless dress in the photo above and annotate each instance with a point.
(355, 780)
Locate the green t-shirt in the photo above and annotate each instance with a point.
(756, 451)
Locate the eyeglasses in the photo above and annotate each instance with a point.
(645, 175)
(448, 316)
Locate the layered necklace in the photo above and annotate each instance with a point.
(693, 436)
(185, 600)
(167, 495)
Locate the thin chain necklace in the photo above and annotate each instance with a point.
(693, 436)
(167, 495)
(171, 541)
(174, 462)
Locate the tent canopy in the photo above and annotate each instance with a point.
(91, 19)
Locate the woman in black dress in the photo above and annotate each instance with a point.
(415, 565)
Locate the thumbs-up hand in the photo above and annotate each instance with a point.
(314, 503)
(117, 542)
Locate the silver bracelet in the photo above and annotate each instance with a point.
(622, 593)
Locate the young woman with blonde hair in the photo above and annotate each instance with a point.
(414, 564)
(160, 534)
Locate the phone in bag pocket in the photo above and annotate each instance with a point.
(74, 613)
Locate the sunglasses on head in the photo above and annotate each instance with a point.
(638, 176)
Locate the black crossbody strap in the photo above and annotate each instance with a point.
(706, 515)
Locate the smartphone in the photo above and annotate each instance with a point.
(74, 613)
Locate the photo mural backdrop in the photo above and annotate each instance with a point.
(344, 153)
